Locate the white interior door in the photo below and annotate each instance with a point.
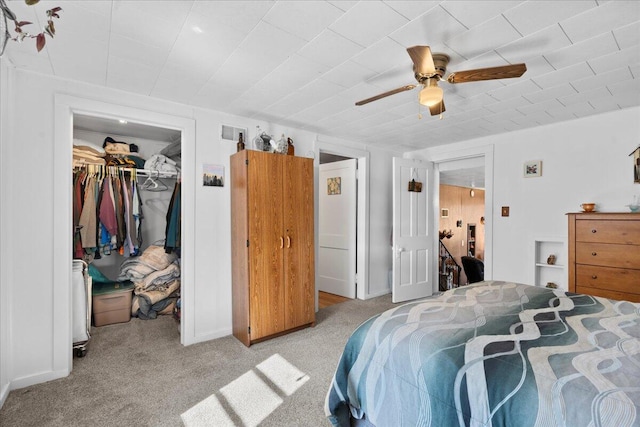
(337, 228)
(413, 256)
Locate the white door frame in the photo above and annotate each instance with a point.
(362, 251)
(485, 151)
(65, 108)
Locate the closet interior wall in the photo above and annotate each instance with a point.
(154, 203)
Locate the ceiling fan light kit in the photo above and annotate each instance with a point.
(430, 68)
(431, 95)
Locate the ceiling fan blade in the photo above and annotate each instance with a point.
(437, 109)
(504, 72)
(422, 59)
(385, 94)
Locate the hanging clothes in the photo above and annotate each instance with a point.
(172, 232)
(78, 178)
(107, 212)
(87, 220)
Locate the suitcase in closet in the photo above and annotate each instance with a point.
(81, 307)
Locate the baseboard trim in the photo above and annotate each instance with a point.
(377, 294)
(208, 336)
(37, 379)
(4, 393)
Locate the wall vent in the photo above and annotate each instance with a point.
(231, 133)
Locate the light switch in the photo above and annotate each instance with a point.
(505, 211)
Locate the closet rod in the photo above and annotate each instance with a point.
(153, 173)
(156, 173)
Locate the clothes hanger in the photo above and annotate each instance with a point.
(154, 184)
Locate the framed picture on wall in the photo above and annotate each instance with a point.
(212, 175)
(532, 169)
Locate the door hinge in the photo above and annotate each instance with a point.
(356, 278)
(247, 243)
(248, 330)
(246, 162)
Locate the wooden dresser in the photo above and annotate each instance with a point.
(604, 255)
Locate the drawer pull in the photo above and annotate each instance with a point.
(594, 277)
(593, 253)
(594, 231)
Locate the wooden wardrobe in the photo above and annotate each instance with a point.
(272, 243)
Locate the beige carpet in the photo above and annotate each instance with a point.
(137, 373)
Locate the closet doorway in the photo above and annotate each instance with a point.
(66, 109)
(133, 170)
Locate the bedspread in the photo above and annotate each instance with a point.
(493, 354)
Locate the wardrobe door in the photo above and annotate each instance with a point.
(266, 244)
(299, 249)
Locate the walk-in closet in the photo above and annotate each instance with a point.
(126, 221)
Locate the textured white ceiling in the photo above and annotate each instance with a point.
(304, 64)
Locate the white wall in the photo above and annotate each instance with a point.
(584, 160)
(27, 146)
(4, 291)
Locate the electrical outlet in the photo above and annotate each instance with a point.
(505, 211)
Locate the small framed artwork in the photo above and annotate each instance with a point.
(533, 169)
(334, 186)
(212, 175)
(444, 213)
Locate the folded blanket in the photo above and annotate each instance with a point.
(153, 258)
(147, 304)
(160, 162)
(158, 280)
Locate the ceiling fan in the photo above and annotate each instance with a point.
(429, 69)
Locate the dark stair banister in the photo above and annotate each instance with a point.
(447, 265)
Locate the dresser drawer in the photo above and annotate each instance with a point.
(600, 231)
(609, 255)
(620, 296)
(614, 279)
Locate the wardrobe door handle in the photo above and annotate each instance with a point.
(281, 242)
(288, 242)
(594, 276)
(593, 253)
(594, 231)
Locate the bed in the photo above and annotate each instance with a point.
(493, 354)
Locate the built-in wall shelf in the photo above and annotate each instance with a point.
(547, 271)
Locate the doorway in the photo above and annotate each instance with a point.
(480, 156)
(327, 149)
(462, 218)
(66, 107)
(140, 163)
(337, 225)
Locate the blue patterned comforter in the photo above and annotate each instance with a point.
(493, 354)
